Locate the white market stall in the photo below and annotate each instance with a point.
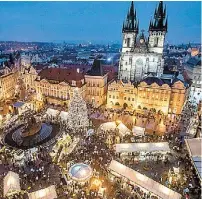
(47, 193)
(63, 116)
(52, 113)
(194, 148)
(108, 126)
(138, 131)
(11, 183)
(142, 147)
(143, 181)
(123, 130)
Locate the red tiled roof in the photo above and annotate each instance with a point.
(62, 75)
(40, 66)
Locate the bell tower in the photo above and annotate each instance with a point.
(130, 30)
(158, 29)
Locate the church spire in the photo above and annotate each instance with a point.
(130, 24)
(159, 19)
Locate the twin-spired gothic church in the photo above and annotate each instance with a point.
(140, 55)
(141, 83)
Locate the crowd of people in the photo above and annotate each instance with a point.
(38, 171)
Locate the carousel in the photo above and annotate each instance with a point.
(80, 172)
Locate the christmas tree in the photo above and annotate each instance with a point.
(78, 112)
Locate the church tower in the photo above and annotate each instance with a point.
(158, 29)
(130, 30)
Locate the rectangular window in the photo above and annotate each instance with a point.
(128, 42)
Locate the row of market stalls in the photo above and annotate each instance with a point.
(142, 147)
(147, 184)
(136, 130)
(194, 148)
(12, 186)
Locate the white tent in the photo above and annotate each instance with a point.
(52, 112)
(146, 147)
(137, 130)
(108, 126)
(11, 183)
(194, 147)
(47, 193)
(143, 181)
(64, 115)
(123, 130)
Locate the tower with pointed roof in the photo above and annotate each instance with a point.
(130, 29)
(141, 56)
(157, 29)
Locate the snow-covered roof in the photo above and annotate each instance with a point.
(11, 183)
(146, 147)
(64, 115)
(143, 181)
(47, 193)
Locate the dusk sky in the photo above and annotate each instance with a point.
(92, 21)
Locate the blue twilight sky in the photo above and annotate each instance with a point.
(92, 21)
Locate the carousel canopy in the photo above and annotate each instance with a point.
(64, 115)
(143, 181)
(137, 130)
(80, 172)
(47, 193)
(11, 183)
(146, 147)
(52, 112)
(194, 148)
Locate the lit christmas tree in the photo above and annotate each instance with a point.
(78, 112)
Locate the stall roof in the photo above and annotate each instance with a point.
(194, 148)
(47, 193)
(112, 125)
(143, 181)
(147, 147)
(64, 115)
(52, 112)
(11, 183)
(137, 130)
(18, 104)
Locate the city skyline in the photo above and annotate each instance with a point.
(101, 21)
